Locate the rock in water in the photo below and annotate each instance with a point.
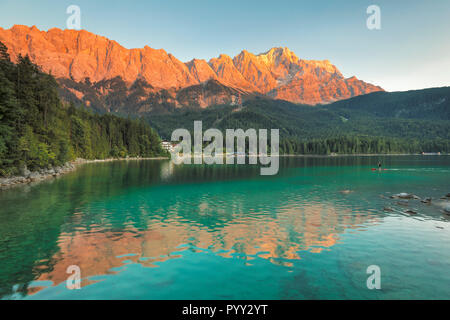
(447, 209)
(404, 195)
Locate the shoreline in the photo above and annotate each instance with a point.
(29, 177)
(332, 155)
(46, 174)
(84, 161)
(361, 155)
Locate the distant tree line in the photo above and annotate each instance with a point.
(362, 145)
(37, 130)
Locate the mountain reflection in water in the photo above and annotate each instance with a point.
(104, 217)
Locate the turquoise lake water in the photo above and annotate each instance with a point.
(152, 230)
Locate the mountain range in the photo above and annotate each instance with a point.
(101, 74)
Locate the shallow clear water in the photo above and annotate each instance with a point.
(151, 230)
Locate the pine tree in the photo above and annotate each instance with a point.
(4, 55)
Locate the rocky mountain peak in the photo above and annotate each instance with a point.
(278, 73)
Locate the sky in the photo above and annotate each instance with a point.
(410, 51)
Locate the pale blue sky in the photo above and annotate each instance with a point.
(412, 49)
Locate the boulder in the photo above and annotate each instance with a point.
(34, 176)
(404, 195)
(25, 172)
(447, 208)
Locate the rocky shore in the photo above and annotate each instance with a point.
(35, 176)
(43, 174)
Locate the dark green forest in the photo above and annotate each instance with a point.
(38, 130)
(431, 104)
(349, 128)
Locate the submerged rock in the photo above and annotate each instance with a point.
(346, 191)
(388, 209)
(409, 211)
(426, 200)
(444, 206)
(404, 203)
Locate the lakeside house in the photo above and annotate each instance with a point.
(167, 146)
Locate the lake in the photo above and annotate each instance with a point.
(152, 230)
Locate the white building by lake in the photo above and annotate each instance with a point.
(167, 146)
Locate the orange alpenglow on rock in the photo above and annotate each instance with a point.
(278, 73)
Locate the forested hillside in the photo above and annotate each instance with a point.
(433, 104)
(38, 131)
(324, 129)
